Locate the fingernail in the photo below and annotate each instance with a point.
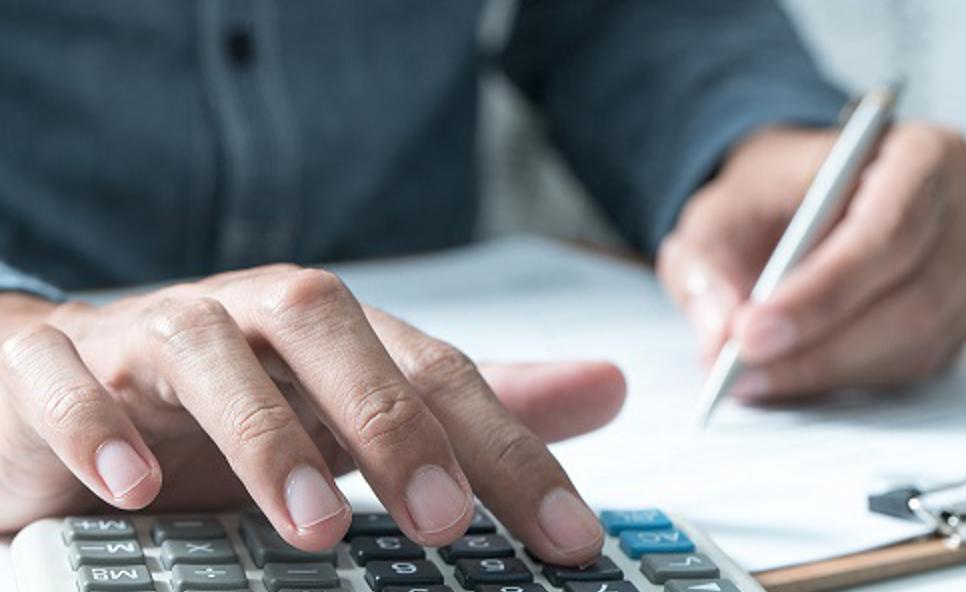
(310, 498)
(708, 316)
(435, 500)
(753, 385)
(768, 337)
(567, 522)
(120, 467)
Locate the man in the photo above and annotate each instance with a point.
(147, 141)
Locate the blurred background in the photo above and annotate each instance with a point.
(857, 43)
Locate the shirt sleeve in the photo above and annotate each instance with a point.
(13, 280)
(644, 98)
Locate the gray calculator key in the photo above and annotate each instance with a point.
(471, 573)
(186, 528)
(621, 586)
(662, 567)
(700, 586)
(208, 577)
(266, 546)
(97, 529)
(373, 524)
(196, 552)
(529, 587)
(277, 576)
(120, 552)
(602, 570)
(418, 573)
(111, 578)
(433, 588)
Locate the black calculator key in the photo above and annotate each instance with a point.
(266, 546)
(436, 588)
(477, 546)
(481, 523)
(373, 524)
(471, 573)
(109, 578)
(700, 586)
(208, 577)
(411, 574)
(602, 570)
(531, 587)
(278, 576)
(120, 552)
(197, 552)
(186, 528)
(621, 586)
(97, 529)
(662, 567)
(365, 549)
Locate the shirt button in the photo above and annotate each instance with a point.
(240, 46)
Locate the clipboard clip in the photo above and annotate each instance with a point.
(942, 507)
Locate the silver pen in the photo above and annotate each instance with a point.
(821, 207)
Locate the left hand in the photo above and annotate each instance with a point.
(880, 302)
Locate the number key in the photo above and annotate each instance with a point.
(420, 572)
(472, 572)
(365, 549)
(477, 547)
(622, 586)
(602, 570)
(531, 587)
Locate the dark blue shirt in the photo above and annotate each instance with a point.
(143, 140)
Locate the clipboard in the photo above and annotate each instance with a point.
(941, 506)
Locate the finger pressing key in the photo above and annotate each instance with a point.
(204, 356)
(69, 410)
(509, 466)
(315, 325)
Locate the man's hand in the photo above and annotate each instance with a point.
(881, 301)
(265, 383)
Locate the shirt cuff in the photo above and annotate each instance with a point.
(12, 280)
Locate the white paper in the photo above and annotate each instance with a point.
(774, 488)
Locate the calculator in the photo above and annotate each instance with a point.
(645, 551)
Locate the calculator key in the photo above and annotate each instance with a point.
(701, 586)
(602, 570)
(373, 524)
(477, 546)
(415, 574)
(277, 576)
(617, 521)
(638, 542)
(196, 552)
(621, 586)
(109, 578)
(186, 528)
(664, 567)
(530, 587)
(122, 552)
(471, 573)
(436, 588)
(208, 577)
(267, 546)
(365, 549)
(481, 523)
(97, 529)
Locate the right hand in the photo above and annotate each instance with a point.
(262, 385)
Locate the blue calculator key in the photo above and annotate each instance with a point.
(617, 521)
(638, 542)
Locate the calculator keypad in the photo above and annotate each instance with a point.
(200, 554)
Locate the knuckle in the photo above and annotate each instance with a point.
(71, 407)
(518, 450)
(303, 289)
(387, 415)
(172, 322)
(28, 341)
(251, 423)
(437, 363)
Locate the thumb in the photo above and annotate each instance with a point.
(708, 264)
(558, 400)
